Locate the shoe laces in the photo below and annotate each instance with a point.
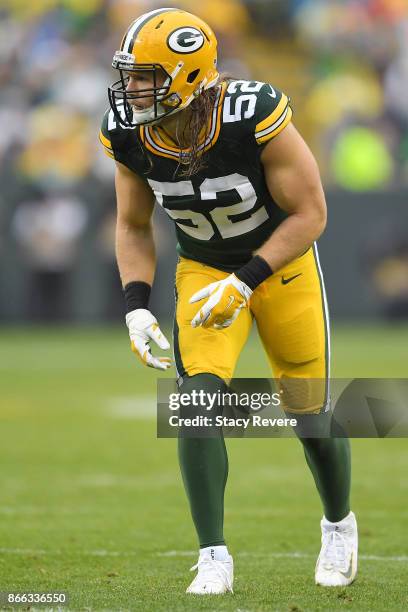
(207, 567)
(335, 550)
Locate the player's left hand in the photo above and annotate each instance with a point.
(226, 300)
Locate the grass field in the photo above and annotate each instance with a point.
(91, 502)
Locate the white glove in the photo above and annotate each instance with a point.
(143, 327)
(226, 300)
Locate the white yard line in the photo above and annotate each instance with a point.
(138, 407)
(187, 553)
(280, 555)
(90, 553)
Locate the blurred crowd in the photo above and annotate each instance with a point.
(343, 62)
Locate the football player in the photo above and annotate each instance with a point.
(224, 160)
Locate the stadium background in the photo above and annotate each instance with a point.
(84, 481)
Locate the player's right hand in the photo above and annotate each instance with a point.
(143, 327)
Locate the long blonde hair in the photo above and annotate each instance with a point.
(199, 124)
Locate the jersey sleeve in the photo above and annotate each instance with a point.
(104, 136)
(272, 113)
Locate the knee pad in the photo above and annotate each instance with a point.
(303, 395)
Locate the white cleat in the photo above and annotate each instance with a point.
(213, 577)
(337, 562)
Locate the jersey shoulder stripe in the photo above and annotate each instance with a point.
(279, 115)
(107, 145)
(274, 115)
(121, 143)
(276, 127)
(256, 110)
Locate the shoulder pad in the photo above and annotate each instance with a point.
(263, 109)
(104, 135)
(113, 136)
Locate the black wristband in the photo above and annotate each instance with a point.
(254, 272)
(137, 295)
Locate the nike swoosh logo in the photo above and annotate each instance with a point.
(273, 94)
(285, 281)
(349, 572)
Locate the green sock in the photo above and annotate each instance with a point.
(204, 467)
(329, 461)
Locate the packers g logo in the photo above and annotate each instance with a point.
(185, 40)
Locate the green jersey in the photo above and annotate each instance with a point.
(223, 212)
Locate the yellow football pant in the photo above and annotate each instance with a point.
(291, 315)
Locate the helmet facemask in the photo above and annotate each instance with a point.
(121, 100)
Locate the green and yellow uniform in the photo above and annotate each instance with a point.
(222, 214)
